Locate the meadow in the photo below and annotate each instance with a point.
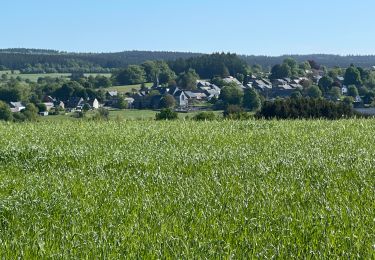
(34, 77)
(128, 88)
(184, 189)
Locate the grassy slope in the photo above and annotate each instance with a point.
(188, 189)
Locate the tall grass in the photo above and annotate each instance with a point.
(252, 189)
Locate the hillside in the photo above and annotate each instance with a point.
(57, 61)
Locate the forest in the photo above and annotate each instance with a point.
(52, 61)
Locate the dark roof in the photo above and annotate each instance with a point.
(74, 102)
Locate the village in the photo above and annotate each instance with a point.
(202, 97)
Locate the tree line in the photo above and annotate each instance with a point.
(49, 61)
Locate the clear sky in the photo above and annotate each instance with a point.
(270, 27)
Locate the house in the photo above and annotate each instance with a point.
(282, 90)
(231, 79)
(60, 104)
(195, 95)
(111, 94)
(16, 107)
(260, 85)
(45, 113)
(203, 83)
(181, 98)
(49, 105)
(75, 103)
(212, 93)
(49, 99)
(340, 79)
(94, 104)
(130, 102)
(344, 90)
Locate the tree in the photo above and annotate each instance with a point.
(352, 91)
(305, 66)
(362, 90)
(335, 93)
(121, 103)
(280, 71)
(314, 65)
(325, 83)
(102, 82)
(64, 93)
(348, 101)
(132, 75)
(251, 100)
(314, 92)
(369, 97)
(231, 95)
(5, 112)
(158, 70)
(352, 76)
(86, 107)
(235, 112)
(188, 80)
(41, 107)
(166, 114)
(167, 101)
(30, 112)
(296, 94)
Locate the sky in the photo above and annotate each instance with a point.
(259, 27)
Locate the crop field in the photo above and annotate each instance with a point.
(184, 189)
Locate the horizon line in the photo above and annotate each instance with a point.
(184, 51)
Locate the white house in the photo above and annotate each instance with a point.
(16, 107)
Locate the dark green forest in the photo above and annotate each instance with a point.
(52, 61)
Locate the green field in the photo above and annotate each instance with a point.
(188, 190)
(126, 114)
(127, 88)
(35, 77)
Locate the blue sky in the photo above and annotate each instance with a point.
(270, 27)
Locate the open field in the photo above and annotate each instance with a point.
(127, 88)
(126, 114)
(35, 77)
(144, 189)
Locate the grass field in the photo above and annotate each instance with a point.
(35, 77)
(127, 114)
(190, 190)
(127, 88)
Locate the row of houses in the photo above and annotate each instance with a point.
(205, 91)
(73, 104)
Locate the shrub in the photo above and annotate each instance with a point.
(235, 112)
(101, 114)
(205, 116)
(5, 112)
(167, 114)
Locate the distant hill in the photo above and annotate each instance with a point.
(41, 60)
(22, 58)
(322, 59)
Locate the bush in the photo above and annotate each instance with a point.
(205, 116)
(235, 112)
(101, 114)
(5, 112)
(167, 114)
